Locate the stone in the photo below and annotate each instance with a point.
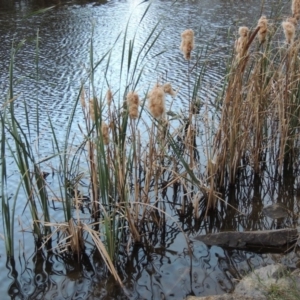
(259, 283)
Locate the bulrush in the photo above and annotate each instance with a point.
(263, 28)
(109, 97)
(289, 30)
(157, 101)
(187, 43)
(296, 9)
(169, 90)
(105, 133)
(240, 44)
(133, 103)
(92, 105)
(82, 98)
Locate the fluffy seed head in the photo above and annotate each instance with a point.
(263, 28)
(169, 90)
(292, 20)
(82, 99)
(133, 103)
(94, 109)
(109, 97)
(241, 42)
(289, 31)
(296, 9)
(156, 99)
(244, 31)
(105, 133)
(187, 43)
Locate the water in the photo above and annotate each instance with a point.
(163, 269)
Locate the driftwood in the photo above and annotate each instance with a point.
(259, 241)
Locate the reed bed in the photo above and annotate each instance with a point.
(132, 153)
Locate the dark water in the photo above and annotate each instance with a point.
(48, 78)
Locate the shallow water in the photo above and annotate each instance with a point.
(163, 269)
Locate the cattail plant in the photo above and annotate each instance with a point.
(109, 97)
(169, 90)
(263, 28)
(133, 103)
(156, 99)
(105, 133)
(94, 109)
(289, 30)
(241, 43)
(187, 43)
(296, 9)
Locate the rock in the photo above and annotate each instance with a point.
(260, 284)
(257, 283)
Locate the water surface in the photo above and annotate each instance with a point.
(48, 77)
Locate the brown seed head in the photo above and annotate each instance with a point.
(109, 97)
(169, 90)
(263, 28)
(133, 103)
(241, 42)
(157, 101)
(289, 31)
(292, 20)
(296, 8)
(187, 43)
(94, 109)
(105, 133)
(244, 31)
(82, 99)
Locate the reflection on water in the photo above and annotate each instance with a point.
(49, 82)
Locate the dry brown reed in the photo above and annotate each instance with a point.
(187, 43)
(231, 140)
(263, 29)
(156, 101)
(133, 102)
(289, 30)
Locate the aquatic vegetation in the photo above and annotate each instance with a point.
(187, 43)
(133, 147)
(263, 29)
(156, 98)
(289, 31)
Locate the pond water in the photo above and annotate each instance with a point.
(48, 79)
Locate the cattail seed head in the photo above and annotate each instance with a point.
(157, 101)
(296, 9)
(82, 98)
(241, 42)
(133, 103)
(289, 31)
(105, 133)
(293, 21)
(109, 97)
(263, 28)
(94, 109)
(187, 43)
(169, 90)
